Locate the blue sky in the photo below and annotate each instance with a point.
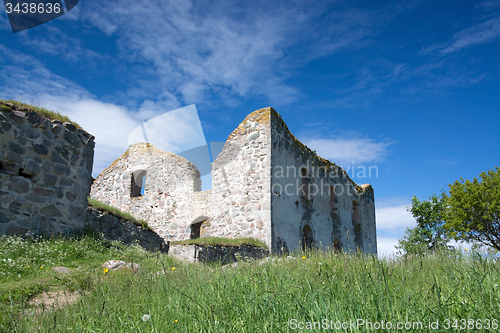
(411, 87)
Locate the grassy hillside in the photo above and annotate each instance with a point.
(274, 295)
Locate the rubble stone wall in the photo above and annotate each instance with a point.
(314, 198)
(219, 253)
(113, 228)
(241, 197)
(45, 173)
(170, 186)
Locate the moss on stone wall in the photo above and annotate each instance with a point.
(14, 105)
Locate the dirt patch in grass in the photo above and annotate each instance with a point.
(53, 300)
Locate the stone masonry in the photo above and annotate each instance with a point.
(265, 184)
(45, 173)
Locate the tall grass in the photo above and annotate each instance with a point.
(267, 296)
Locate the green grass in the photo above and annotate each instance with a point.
(26, 267)
(118, 213)
(221, 241)
(52, 115)
(255, 296)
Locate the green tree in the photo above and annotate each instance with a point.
(473, 212)
(429, 235)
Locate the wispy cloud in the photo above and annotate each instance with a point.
(244, 50)
(348, 151)
(478, 34)
(489, 5)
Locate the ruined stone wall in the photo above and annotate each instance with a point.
(113, 228)
(45, 173)
(241, 197)
(221, 254)
(315, 198)
(170, 187)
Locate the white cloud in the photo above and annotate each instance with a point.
(476, 35)
(394, 218)
(482, 33)
(173, 131)
(349, 151)
(111, 124)
(198, 47)
(489, 5)
(386, 246)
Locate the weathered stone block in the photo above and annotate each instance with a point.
(15, 230)
(43, 191)
(69, 126)
(4, 218)
(16, 148)
(49, 179)
(14, 157)
(51, 211)
(6, 125)
(72, 139)
(40, 149)
(32, 133)
(36, 119)
(19, 184)
(31, 168)
(62, 170)
(56, 158)
(71, 196)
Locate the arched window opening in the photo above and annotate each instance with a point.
(336, 244)
(197, 184)
(138, 183)
(196, 230)
(307, 238)
(196, 226)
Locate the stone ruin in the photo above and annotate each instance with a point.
(265, 184)
(45, 173)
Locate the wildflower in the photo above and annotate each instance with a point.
(320, 263)
(175, 321)
(105, 271)
(173, 268)
(303, 257)
(465, 249)
(41, 266)
(145, 318)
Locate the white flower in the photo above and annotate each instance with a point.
(145, 317)
(320, 263)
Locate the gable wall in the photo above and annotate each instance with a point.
(169, 190)
(298, 201)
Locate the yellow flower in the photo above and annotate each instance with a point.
(175, 321)
(105, 270)
(41, 266)
(173, 268)
(465, 249)
(303, 257)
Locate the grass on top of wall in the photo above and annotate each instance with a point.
(52, 115)
(118, 213)
(214, 241)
